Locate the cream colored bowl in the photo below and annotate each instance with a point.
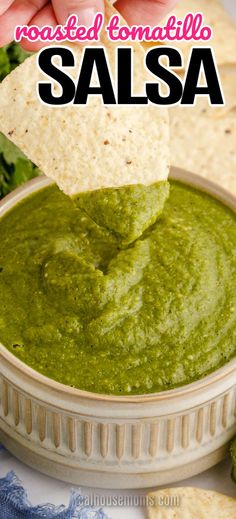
(109, 441)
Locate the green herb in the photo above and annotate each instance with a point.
(10, 57)
(233, 457)
(4, 63)
(15, 168)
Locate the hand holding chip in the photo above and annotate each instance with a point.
(42, 12)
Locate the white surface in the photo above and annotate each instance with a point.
(43, 489)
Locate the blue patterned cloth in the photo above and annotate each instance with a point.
(14, 504)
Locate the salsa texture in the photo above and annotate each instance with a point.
(119, 302)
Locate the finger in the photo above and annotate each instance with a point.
(144, 12)
(45, 17)
(85, 10)
(5, 4)
(19, 13)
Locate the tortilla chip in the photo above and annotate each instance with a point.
(215, 15)
(190, 503)
(204, 144)
(224, 29)
(85, 148)
(228, 82)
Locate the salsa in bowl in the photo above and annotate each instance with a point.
(144, 308)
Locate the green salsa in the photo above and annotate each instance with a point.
(119, 292)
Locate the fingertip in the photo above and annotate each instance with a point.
(44, 17)
(29, 46)
(4, 41)
(84, 9)
(142, 12)
(6, 31)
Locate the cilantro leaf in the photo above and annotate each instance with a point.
(24, 170)
(5, 66)
(16, 54)
(9, 151)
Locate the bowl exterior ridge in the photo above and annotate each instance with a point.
(83, 445)
(116, 443)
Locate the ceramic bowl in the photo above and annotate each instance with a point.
(112, 441)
